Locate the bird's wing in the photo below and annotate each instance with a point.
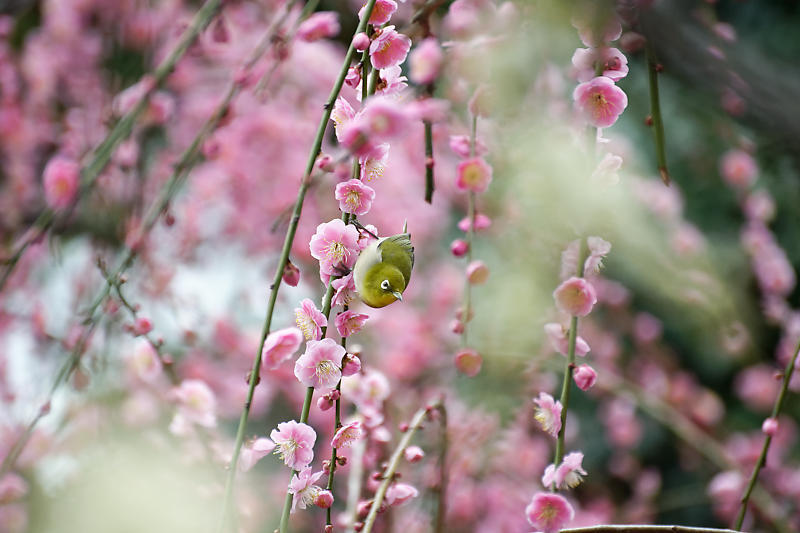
(401, 255)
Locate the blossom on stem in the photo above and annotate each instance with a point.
(291, 274)
(477, 272)
(575, 296)
(738, 168)
(335, 245)
(310, 320)
(400, 493)
(567, 474)
(770, 426)
(468, 362)
(302, 488)
(196, 402)
(598, 249)
(473, 174)
(600, 101)
(349, 323)
(354, 197)
(61, 178)
(345, 290)
(279, 346)
(382, 11)
(413, 454)
(254, 451)
(294, 443)
(347, 434)
(319, 25)
(321, 364)
(549, 512)
(585, 377)
(548, 413)
(559, 340)
(389, 48)
(426, 61)
(481, 222)
(461, 145)
(613, 63)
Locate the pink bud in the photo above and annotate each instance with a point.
(324, 499)
(576, 296)
(468, 362)
(456, 326)
(362, 510)
(459, 247)
(325, 162)
(291, 274)
(324, 403)
(585, 377)
(477, 273)
(142, 326)
(413, 454)
(360, 41)
(481, 222)
(351, 365)
(770, 426)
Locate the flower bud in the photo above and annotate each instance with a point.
(360, 41)
(459, 247)
(351, 365)
(575, 296)
(291, 274)
(585, 377)
(770, 426)
(324, 499)
(413, 454)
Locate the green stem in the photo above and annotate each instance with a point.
(569, 367)
(645, 529)
(762, 459)
(337, 423)
(394, 462)
(467, 307)
(655, 113)
(441, 508)
(290, 234)
(120, 131)
(429, 183)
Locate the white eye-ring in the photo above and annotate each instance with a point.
(385, 284)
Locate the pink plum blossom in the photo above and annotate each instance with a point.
(347, 435)
(473, 174)
(770, 426)
(413, 454)
(462, 146)
(320, 365)
(302, 488)
(575, 296)
(482, 222)
(310, 320)
(354, 197)
(477, 272)
(324, 499)
(196, 403)
(345, 290)
(384, 118)
(335, 245)
(360, 43)
(61, 179)
(382, 11)
(342, 114)
(280, 346)
(584, 376)
(389, 48)
(598, 249)
(294, 443)
(351, 365)
(567, 475)
(426, 61)
(613, 63)
(548, 413)
(319, 25)
(392, 82)
(459, 247)
(559, 340)
(468, 362)
(549, 512)
(400, 493)
(738, 168)
(142, 326)
(596, 29)
(600, 101)
(254, 451)
(144, 362)
(291, 274)
(349, 323)
(12, 488)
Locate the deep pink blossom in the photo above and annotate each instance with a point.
(280, 346)
(600, 101)
(413, 454)
(389, 48)
(321, 364)
(612, 62)
(548, 413)
(61, 178)
(291, 274)
(462, 145)
(319, 25)
(302, 488)
(559, 340)
(575, 296)
(254, 451)
(549, 512)
(738, 168)
(567, 475)
(335, 245)
(459, 247)
(310, 320)
(426, 61)
(354, 197)
(347, 435)
(468, 362)
(400, 493)
(294, 443)
(473, 174)
(482, 222)
(349, 322)
(584, 376)
(382, 11)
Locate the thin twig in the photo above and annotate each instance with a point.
(655, 112)
(444, 476)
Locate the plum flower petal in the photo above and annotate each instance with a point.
(569, 473)
(400, 493)
(310, 320)
(559, 340)
(473, 174)
(585, 377)
(613, 63)
(252, 452)
(347, 434)
(354, 197)
(598, 249)
(549, 512)
(335, 245)
(600, 101)
(389, 48)
(279, 346)
(294, 443)
(548, 413)
(321, 364)
(349, 323)
(426, 61)
(575, 296)
(318, 26)
(61, 178)
(382, 11)
(303, 489)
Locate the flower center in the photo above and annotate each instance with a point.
(306, 324)
(335, 251)
(353, 199)
(286, 449)
(325, 369)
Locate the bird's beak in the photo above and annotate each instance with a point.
(398, 295)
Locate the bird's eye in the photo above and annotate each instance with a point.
(385, 284)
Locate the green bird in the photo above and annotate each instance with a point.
(383, 269)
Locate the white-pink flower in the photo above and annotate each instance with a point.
(426, 61)
(254, 451)
(382, 11)
(549, 512)
(294, 443)
(548, 413)
(568, 474)
(738, 168)
(335, 245)
(400, 493)
(575, 296)
(345, 290)
(600, 101)
(389, 48)
(559, 340)
(310, 320)
(585, 377)
(61, 178)
(280, 346)
(354, 197)
(347, 434)
(321, 364)
(611, 61)
(196, 402)
(302, 488)
(598, 249)
(349, 322)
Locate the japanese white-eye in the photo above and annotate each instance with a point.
(383, 269)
